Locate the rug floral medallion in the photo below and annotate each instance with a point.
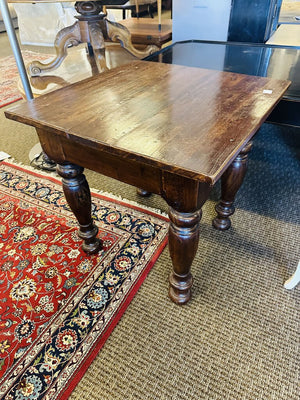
(58, 305)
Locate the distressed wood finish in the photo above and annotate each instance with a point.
(166, 129)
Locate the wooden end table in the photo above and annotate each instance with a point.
(168, 129)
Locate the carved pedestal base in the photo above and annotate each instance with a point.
(92, 28)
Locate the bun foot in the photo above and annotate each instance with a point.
(180, 288)
(221, 224)
(224, 211)
(91, 244)
(92, 247)
(143, 193)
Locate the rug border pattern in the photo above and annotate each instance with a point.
(122, 297)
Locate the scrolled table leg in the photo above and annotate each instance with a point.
(119, 33)
(70, 35)
(78, 196)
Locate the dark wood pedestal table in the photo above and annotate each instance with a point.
(168, 129)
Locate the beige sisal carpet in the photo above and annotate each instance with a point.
(238, 339)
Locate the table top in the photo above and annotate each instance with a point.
(279, 62)
(148, 27)
(289, 13)
(190, 121)
(286, 34)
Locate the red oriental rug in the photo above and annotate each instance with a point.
(57, 305)
(9, 75)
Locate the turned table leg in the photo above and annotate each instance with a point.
(231, 181)
(78, 196)
(185, 198)
(183, 245)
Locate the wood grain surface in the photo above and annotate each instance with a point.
(146, 30)
(189, 120)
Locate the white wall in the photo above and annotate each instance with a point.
(49, 18)
(200, 19)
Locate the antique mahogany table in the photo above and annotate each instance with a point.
(168, 129)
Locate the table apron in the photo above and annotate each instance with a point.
(182, 193)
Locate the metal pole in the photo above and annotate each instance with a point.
(15, 48)
(159, 14)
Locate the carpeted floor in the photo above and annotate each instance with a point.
(9, 91)
(59, 306)
(239, 336)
